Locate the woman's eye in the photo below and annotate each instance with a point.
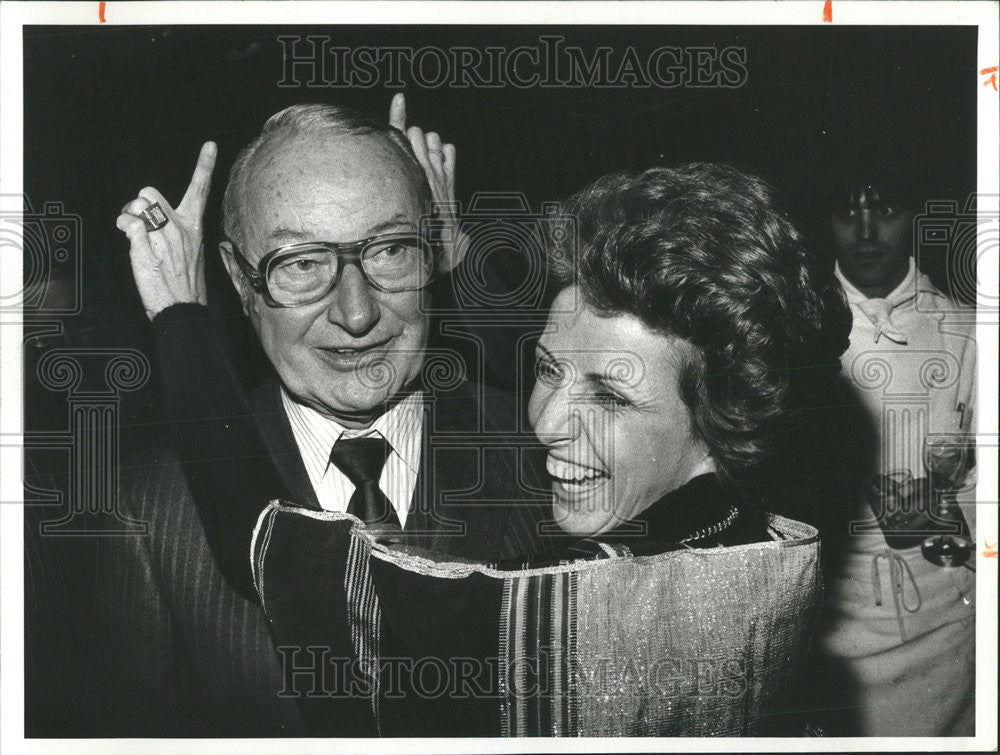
(547, 372)
(613, 400)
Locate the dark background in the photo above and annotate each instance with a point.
(109, 110)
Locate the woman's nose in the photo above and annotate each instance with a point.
(556, 421)
(353, 306)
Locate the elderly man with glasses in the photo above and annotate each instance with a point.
(328, 245)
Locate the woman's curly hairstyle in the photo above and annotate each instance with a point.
(703, 252)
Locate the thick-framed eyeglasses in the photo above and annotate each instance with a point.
(298, 274)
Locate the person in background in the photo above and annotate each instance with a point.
(899, 630)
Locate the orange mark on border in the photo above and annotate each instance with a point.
(100, 11)
(992, 80)
(989, 551)
(828, 12)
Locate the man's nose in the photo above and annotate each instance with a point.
(353, 306)
(867, 227)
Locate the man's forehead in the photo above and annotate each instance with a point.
(338, 188)
(875, 191)
(867, 194)
(345, 155)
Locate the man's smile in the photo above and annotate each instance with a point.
(349, 357)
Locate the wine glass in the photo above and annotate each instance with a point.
(947, 459)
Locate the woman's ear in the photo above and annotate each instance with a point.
(240, 282)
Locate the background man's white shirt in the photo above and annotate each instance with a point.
(913, 368)
(401, 426)
(925, 384)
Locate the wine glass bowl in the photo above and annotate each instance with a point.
(947, 458)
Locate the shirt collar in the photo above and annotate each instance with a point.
(913, 284)
(400, 426)
(907, 288)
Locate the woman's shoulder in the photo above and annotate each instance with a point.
(703, 513)
(700, 514)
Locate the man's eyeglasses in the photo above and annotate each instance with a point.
(300, 274)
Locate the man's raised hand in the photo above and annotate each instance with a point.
(169, 263)
(438, 161)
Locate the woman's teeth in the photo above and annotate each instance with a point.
(572, 473)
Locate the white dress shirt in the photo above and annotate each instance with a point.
(315, 434)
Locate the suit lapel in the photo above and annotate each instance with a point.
(463, 528)
(276, 431)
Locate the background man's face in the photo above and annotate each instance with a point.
(872, 240)
(348, 353)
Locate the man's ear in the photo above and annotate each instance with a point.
(453, 251)
(240, 282)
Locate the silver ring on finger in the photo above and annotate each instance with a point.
(437, 152)
(153, 217)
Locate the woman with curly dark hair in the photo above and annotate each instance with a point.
(689, 324)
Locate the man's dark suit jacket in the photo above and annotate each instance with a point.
(183, 651)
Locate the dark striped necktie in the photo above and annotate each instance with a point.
(361, 460)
